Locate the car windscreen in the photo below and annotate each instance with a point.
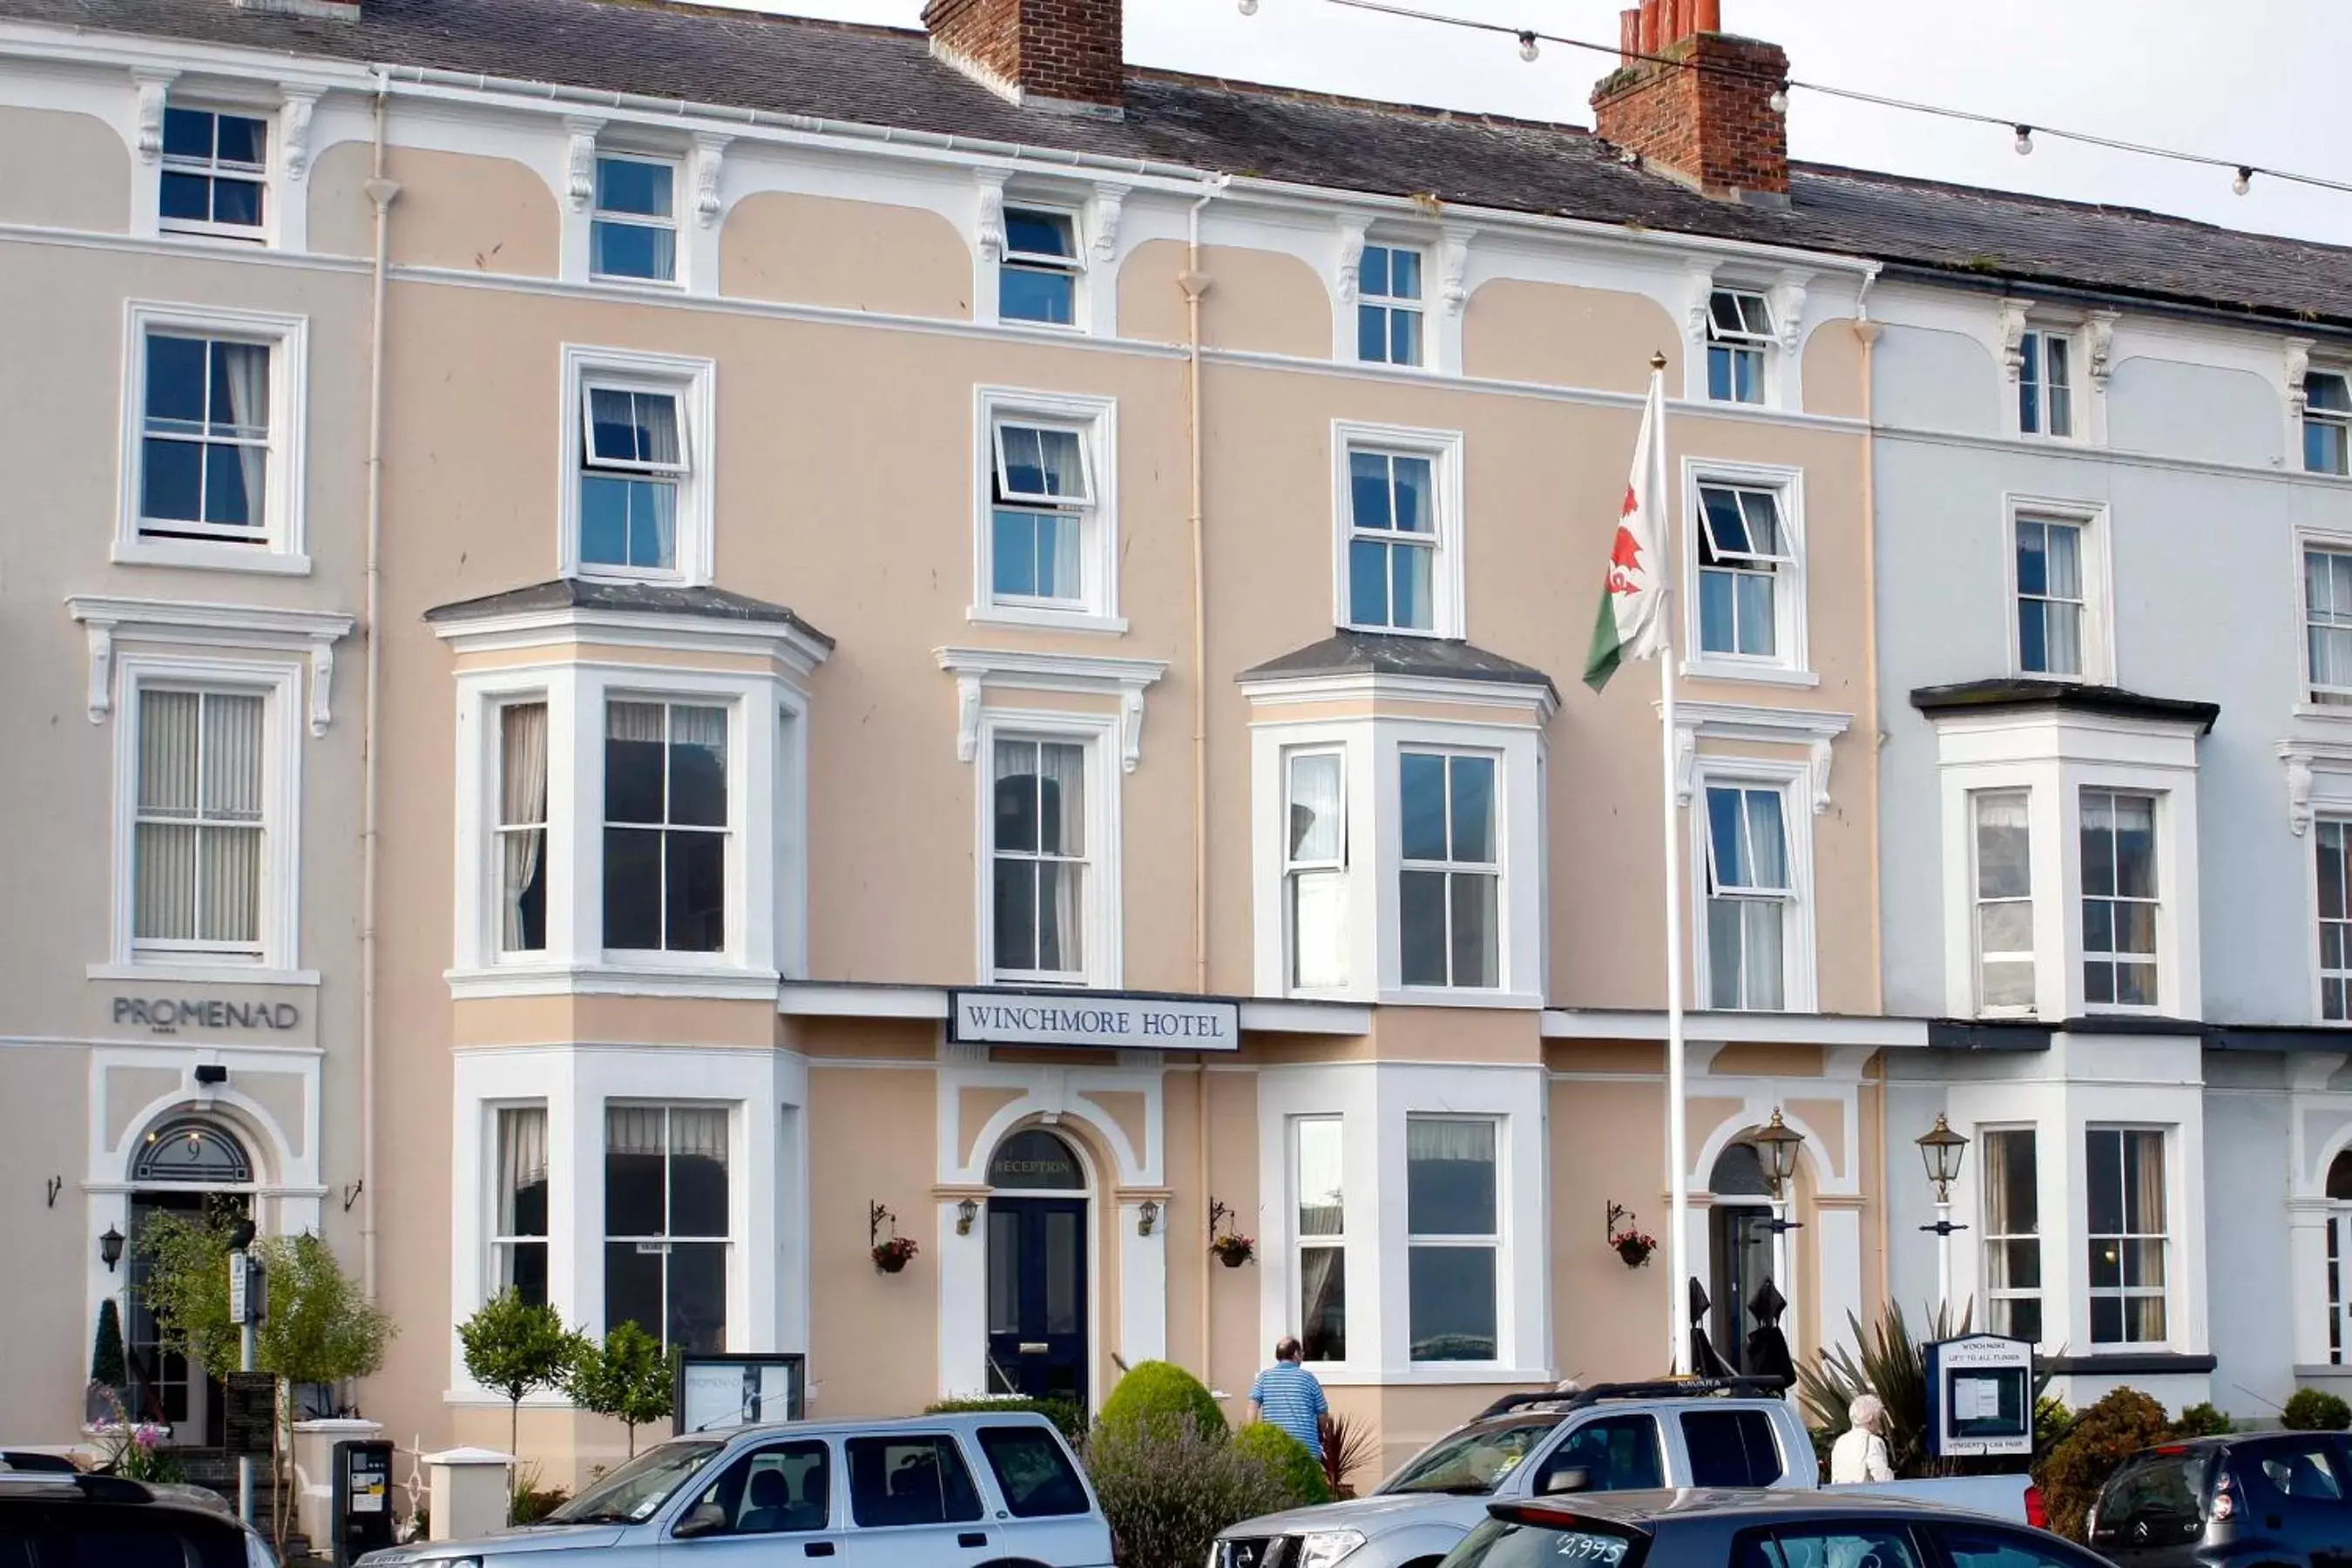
(2152, 1487)
(1564, 1543)
(1475, 1460)
(634, 1492)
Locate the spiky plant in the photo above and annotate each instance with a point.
(1884, 1359)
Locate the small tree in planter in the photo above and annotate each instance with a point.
(628, 1377)
(517, 1347)
(109, 1372)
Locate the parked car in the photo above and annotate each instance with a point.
(2281, 1497)
(967, 1491)
(1732, 1432)
(1831, 1528)
(52, 1519)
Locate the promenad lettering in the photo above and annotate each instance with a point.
(165, 1014)
(1049, 1019)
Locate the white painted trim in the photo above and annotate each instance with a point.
(694, 381)
(980, 672)
(200, 974)
(1736, 1029)
(1096, 419)
(792, 645)
(282, 541)
(1815, 729)
(111, 622)
(1448, 616)
(1533, 700)
(1103, 941)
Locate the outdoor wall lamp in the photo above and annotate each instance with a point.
(966, 1212)
(1147, 1216)
(1779, 1143)
(110, 1249)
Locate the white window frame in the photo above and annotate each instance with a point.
(2039, 1293)
(1496, 1242)
(2098, 584)
(694, 384)
(1098, 734)
(1294, 868)
(2033, 350)
(1764, 343)
(497, 830)
(1096, 419)
(2340, 822)
(277, 548)
(1498, 869)
(668, 1105)
(2160, 838)
(501, 1242)
(1792, 664)
(2307, 704)
(1444, 449)
(279, 685)
(1073, 265)
(1977, 901)
(2167, 1237)
(1417, 305)
(734, 857)
(265, 175)
(1793, 783)
(596, 215)
(2341, 420)
(1300, 1244)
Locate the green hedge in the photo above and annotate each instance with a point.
(1287, 1459)
(2315, 1410)
(1158, 1394)
(1065, 1414)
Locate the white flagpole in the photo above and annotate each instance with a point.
(1677, 1152)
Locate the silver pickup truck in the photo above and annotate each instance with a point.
(1613, 1437)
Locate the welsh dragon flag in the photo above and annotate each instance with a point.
(1631, 623)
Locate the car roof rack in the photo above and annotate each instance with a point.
(1661, 1388)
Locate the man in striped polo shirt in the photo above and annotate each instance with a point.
(1287, 1395)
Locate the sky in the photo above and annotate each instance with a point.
(2248, 80)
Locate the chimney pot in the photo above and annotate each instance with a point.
(1650, 26)
(1706, 15)
(1629, 36)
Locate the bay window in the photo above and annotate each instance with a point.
(521, 829)
(2125, 1169)
(1749, 894)
(665, 826)
(2004, 901)
(2120, 905)
(1452, 1236)
(1039, 850)
(1314, 869)
(2013, 1232)
(1319, 1143)
(667, 1222)
(519, 1239)
(1450, 877)
(2333, 844)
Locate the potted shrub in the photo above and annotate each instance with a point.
(1233, 1249)
(1634, 1246)
(894, 1254)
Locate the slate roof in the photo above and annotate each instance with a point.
(626, 598)
(2030, 691)
(1380, 653)
(886, 77)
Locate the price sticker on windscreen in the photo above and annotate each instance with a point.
(1589, 1546)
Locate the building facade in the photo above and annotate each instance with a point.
(972, 648)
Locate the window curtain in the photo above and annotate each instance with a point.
(246, 369)
(198, 874)
(2144, 1182)
(1322, 1273)
(705, 727)
(1427, 1138)
(634, 722)
(523, 1158)
(1062, 826)
(522, 802)
(1314, 808)
(698, 1131)
(165, 898)
(229, 850)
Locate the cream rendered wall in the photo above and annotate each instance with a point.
(62, 170)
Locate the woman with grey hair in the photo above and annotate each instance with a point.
(1860, 1452)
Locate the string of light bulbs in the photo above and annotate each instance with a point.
(1531, 41)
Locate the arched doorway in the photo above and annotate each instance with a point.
(1037, 1339)
(1739, 1247)
(190, 1166)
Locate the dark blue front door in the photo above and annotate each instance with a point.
(1037, 1298)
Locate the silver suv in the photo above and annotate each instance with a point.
(940, 1491)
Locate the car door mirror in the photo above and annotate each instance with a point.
(704, 1519)
(1568, 1479)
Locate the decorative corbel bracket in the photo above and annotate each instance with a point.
(101, 671)
(710, 161)
(2298, 795)
(2298, 367)
(107, 622)
(1698, 294)
(1109, 202)
(967, 717)
(2318, 775)
(154, 87)
(990, 230)
(294, 129)
(2012, 337)
(1788, 308)
(580, 160)
(322, 684)
(1453, 265)
(979, 670)
(1685, 764)
(1822, 757)
(2099, 344)
(1131, 728)
(1810, 728)
(1351, 258)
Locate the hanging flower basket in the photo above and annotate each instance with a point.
(1634, 1247)
(1233, 1249)
(892, 1256)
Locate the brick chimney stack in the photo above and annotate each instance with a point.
(1042, 54)
(1703, 111)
